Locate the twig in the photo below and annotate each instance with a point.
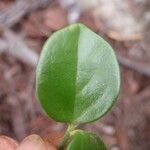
(15, 46)
(20, 9)
(139, 67)
(121, 134)
(143, 95)
(18, 121)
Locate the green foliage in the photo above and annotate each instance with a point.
(77, 77)
(82, 140)
(77, 81)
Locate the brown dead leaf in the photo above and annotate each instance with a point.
(87, 18)
(34, 26)
(35, 142)
(7, 143)
(56, 18)
(117, 36)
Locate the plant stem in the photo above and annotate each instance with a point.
(66, 138)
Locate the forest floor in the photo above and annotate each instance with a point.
(126, 127)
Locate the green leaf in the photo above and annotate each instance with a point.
(82, 140)
(77, 78)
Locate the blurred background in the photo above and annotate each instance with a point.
(125, 24)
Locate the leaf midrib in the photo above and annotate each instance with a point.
(76, 71)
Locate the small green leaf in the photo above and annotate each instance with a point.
(77, 78)
(82, 140)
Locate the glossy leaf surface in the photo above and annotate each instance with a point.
(77, 78)
(82, 140)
